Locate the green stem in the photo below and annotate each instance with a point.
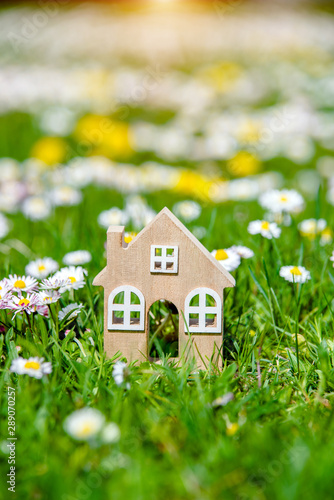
(297, 299)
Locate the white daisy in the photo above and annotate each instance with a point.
(48, 297)
(43, 310)
(199, 232)
(311, 227)
(243, 252)
(113, 217)
(5, 289)
(266, 229)
(75, 277)
(295, 274)
(77, 258)
(34, 367)
(36, 208)
(22, 283)
(4, 226)
(84, 424)
(25, 304)
(54, 283)
(120, 373)
(41, 268)
(138, 211)
(332, 258)
(5, 296)
(285, 200)
(326, 236)
(65, 196)
(74, 309)
(110, 433)
(229, 259)
(187, 210)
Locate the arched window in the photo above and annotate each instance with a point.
(126, 309)
(203, 311)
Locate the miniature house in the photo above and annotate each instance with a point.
(164, 261)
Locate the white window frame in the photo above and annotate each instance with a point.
(164, 259)
(202, 309)
(127, 308)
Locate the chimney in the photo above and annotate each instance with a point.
(115, 239)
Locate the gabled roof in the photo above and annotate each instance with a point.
(175, 220)
(166, 212)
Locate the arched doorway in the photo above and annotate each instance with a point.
(163, 329)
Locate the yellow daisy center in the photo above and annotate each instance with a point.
(46, 298)
(85, 430)
(284, 198)
(295, 271)
(221, 255)
(265, 225)
(32, 364)
(72, 278)
(19, 284)
(41, 267)
(24, 302)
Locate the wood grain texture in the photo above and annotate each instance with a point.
(130, 265)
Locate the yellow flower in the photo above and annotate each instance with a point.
(49, 150)
(326, 236)
(103, 136)
(249, 132)
(221, 76)
(301, 340)
(194, 184)
(243, 164)
(129, 236)
(232, 429)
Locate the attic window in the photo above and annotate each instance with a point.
(164, 259)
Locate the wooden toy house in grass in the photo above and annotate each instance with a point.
(164, 261)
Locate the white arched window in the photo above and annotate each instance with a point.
(203, 311)
(126, 309)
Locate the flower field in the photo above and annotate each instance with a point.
(223, 113)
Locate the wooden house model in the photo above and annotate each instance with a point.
(164, 261)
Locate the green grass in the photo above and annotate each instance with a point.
(174, 442)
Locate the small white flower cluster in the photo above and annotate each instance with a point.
(279, 205)
(89, 424)
(311, 228)
(230, 258)
(25, 294)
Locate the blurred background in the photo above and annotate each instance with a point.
(152, 102)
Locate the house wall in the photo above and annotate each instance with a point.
(131, 266)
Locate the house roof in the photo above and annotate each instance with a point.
(166, 212)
